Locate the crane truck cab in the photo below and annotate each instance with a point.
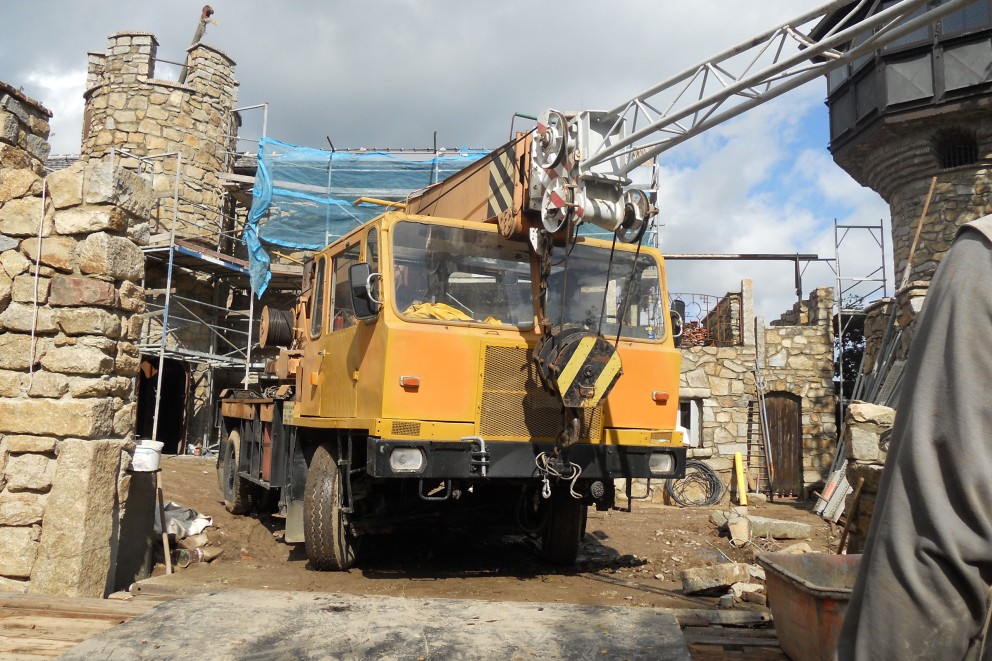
(408, 392)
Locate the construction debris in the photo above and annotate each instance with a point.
(713, 579)
(764, 527)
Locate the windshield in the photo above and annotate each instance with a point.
(589, 278)
(461, 275)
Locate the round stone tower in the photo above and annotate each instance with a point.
(187, 126)
(918, 109)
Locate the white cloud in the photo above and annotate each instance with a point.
(62, 93)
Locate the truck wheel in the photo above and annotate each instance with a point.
(237, 490)
(563, 532)
(330, 544)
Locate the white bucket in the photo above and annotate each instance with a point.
(147, 456)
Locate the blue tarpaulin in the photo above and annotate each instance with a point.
(303, 198)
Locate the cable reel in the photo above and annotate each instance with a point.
(636, 211)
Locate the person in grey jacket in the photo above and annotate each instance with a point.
(923, 587)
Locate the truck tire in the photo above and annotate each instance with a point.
(563, 532)
(237, 490)
(330, 544)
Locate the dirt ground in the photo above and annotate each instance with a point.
(627, 559)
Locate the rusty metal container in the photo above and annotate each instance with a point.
(808, 595)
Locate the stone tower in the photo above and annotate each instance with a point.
(917, 109)
(190, 126)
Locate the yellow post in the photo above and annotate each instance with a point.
(741, 480)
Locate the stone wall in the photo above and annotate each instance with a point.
(867, 429)
(796, 359)
(68, 303)
(909, 302)
(799, 361)
(128, 108)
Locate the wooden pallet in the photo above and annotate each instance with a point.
(41, 627)
(714, 635)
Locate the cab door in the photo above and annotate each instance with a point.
(348, 339)
(314, 351)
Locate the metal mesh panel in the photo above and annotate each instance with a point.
(514, 405)
(406, 428)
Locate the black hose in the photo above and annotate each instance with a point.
(701, 486)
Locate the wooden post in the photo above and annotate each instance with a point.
(161, 520)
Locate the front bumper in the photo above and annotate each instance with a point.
(513, 459)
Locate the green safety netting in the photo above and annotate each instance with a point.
(303, 198)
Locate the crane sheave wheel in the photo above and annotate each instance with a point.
(552, 139)
(636, 210)
(329, 541)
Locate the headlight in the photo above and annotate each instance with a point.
(406, 460)
(661, 463)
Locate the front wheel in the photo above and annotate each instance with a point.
(563, 532)
(329, 541)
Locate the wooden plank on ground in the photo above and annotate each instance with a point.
(735, 617)
(74, 605)
(56, 628)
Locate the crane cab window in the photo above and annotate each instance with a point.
(454, 274)
(343, 312)
(317, 295)
(599, 294)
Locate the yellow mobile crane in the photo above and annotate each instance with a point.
(470, 355)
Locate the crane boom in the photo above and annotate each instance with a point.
(590, 154)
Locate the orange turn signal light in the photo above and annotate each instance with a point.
(314, 378)
(660, 396)
(410, 381)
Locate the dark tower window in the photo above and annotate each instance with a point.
(956, 148)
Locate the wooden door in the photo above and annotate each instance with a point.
(785, 431)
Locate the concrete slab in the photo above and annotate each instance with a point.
(262, 624)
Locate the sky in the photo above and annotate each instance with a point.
(389, 73)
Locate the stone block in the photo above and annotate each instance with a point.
(128, 360)
(84, 418)
(59, 252)
(113, 256)
(29, 472)
(10, 383)
(16, 184)
(21, 509)
(18, 550)
(85, 220)
(764, 527)
(120, 187)
(22, 217)
(20, 318)
(86, 387)
(81, 520)
(715, 578)
(15, 351)
(46, 384)
(66, 186)
(15, 158)
(78, 359)
(124, 420)
(14, 263)
(17, 443)
(75, 291)
(88, 321)
(23, 289)
(131, 297)
(871, 413)
(8, 243)
(862, 444)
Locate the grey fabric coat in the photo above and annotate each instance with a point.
(922, 591)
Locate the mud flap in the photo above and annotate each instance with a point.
(294, 522)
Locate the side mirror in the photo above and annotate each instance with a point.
(364, 291)
(678, 316)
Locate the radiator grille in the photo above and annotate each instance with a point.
(514, 405)
(406, 428)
